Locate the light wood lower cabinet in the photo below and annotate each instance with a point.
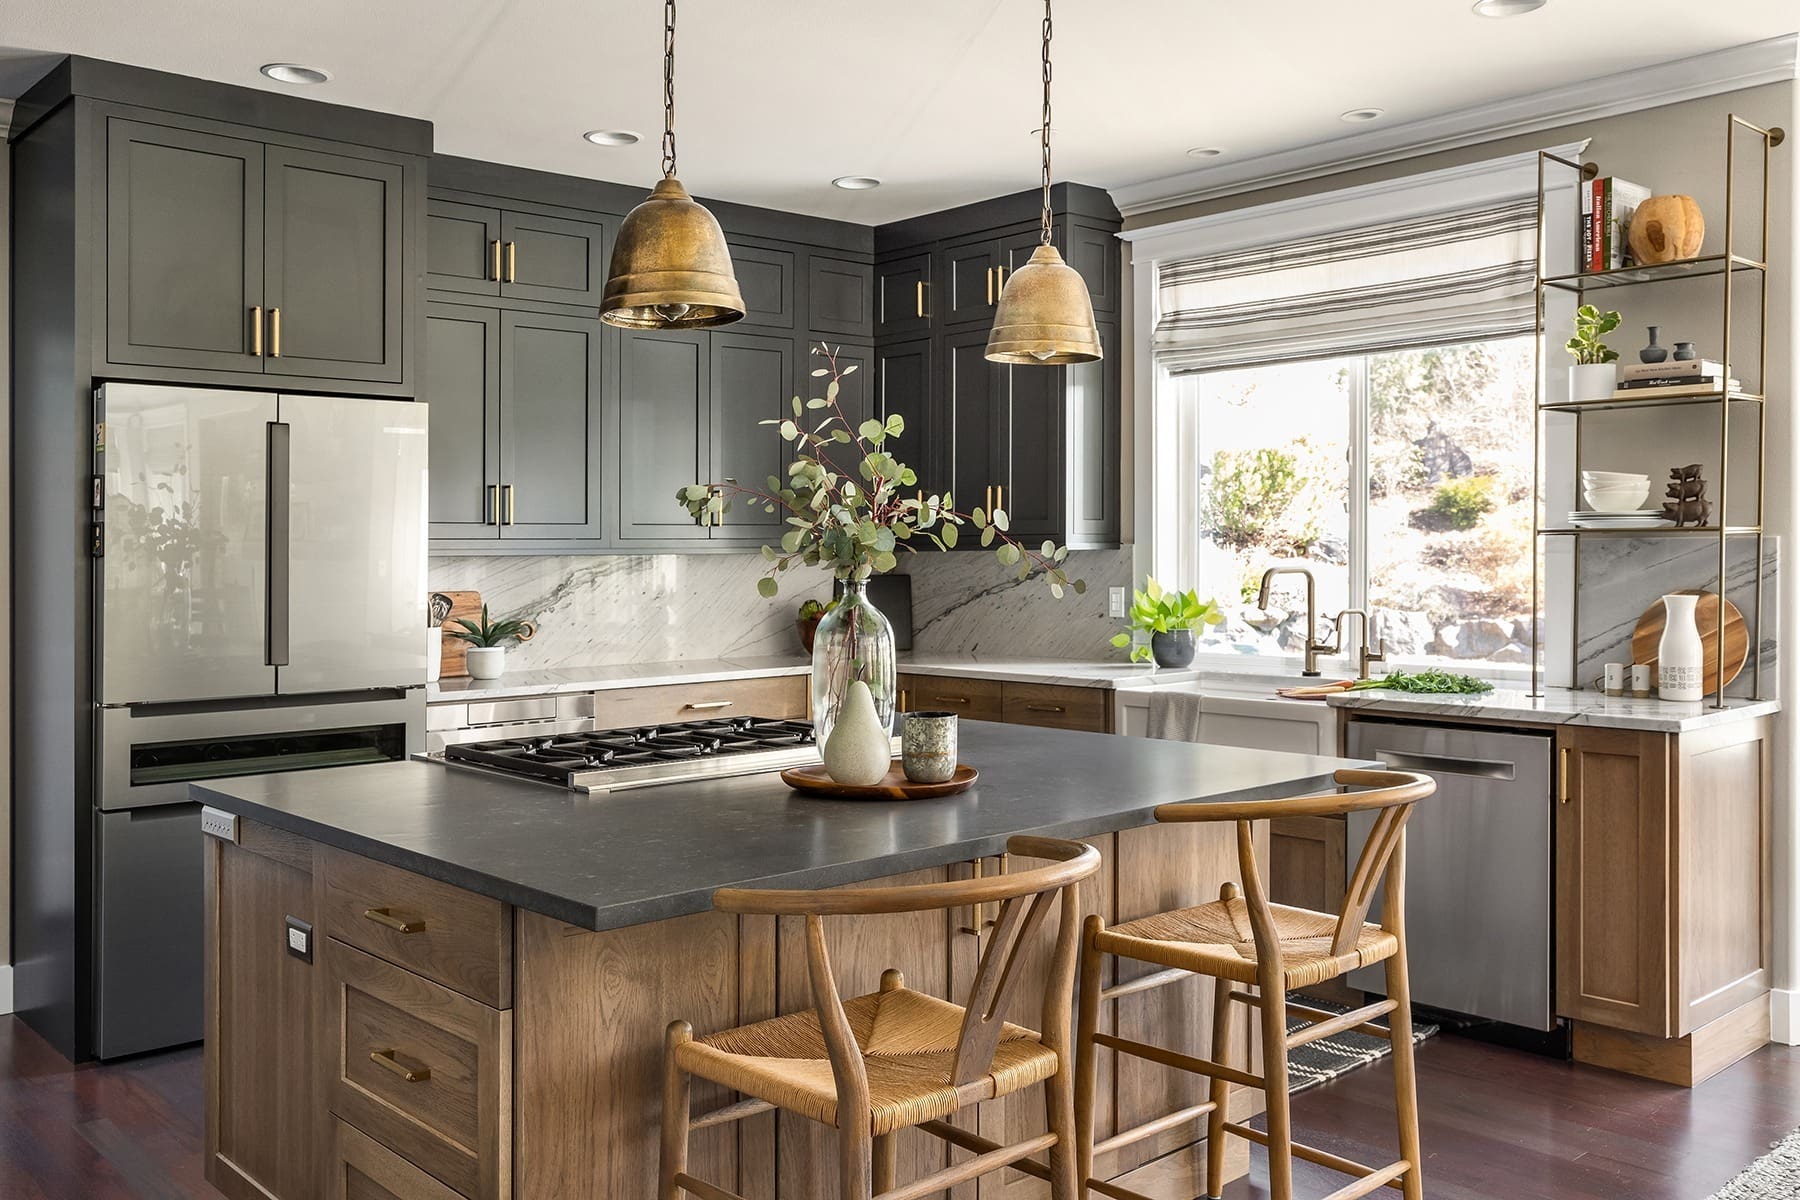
(1056, 706)
(363, 1169)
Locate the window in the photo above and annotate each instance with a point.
(1402, 479)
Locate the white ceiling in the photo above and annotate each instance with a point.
(938, 98)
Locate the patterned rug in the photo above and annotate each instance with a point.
(1324, 1060)
(1774, 1176)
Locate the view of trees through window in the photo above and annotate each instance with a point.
(1435, 446)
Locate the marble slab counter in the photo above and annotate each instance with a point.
(1559, 706)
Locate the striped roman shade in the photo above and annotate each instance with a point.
(1428, 279)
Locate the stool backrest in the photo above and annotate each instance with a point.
(1025, 898)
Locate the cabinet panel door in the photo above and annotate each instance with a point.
(971, 436)
(462, 383)
(903, 297)
(1034, 466)
(665, 409)
(970, 285)
(184, 229)
(551, 394)
(839, 296)
(766, 281)
(903, 384)
(549, 258)
(462, 245)
(1095, 254)
(856, 391)
(752, 381)
(1090, 450)
(332, 265)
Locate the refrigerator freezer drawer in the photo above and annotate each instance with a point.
(149, 940)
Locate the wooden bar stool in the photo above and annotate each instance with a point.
(1246, 940)
(896, 1058)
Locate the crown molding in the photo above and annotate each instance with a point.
(1734, 69)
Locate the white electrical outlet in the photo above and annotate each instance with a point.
(1115, 602)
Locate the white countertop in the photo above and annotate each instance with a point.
(1560, 706)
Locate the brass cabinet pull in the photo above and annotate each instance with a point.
(275, 332)
(512, 262)
(496, 249)
(1000, 279)
(976, 911)
(507, 489)
(989, 273)
(490, 509)
(990, 498)
(1045, 708)
(951, 699)
(704, 705)
(385, 916)
(390, 1060)
(1000, 496)
(1562, 775)
(256, 331)
(919, 299)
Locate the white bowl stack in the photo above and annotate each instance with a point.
(1615, 499)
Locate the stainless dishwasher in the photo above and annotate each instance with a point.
(1478, 868)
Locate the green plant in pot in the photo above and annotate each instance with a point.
(487, 642)
(1170, 619)
(1593, 376)
(812, 611)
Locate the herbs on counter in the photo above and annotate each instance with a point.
(1428, 681)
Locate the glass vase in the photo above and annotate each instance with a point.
(853, 641)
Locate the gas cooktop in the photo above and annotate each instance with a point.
(614, 759)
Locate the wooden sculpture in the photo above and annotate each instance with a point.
(1666, 229)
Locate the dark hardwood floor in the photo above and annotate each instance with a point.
(1498, 1125)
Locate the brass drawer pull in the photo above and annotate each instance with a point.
(1045, 708)
(386, 917)
(951, 699)
(256, 331)
(703, 705)
(1562, 775)
(390, 1060)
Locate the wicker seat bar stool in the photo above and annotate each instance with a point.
(896, 1059)
(1242, 941)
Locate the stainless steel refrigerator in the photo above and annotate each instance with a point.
(259, 606)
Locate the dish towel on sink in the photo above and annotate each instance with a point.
(1175, 714)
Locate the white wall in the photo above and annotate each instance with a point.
(5, 562)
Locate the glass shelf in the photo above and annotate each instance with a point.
(1658, 531)
(1648, 399)
(1687, 268)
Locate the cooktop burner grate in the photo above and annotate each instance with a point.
(584, 759)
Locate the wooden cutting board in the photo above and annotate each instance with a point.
(456, 651)
(1648, 636)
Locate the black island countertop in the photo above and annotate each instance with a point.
(607, 860)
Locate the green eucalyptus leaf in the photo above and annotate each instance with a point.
(767, 587)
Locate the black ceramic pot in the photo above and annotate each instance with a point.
(1174, 648)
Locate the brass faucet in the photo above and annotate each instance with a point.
(1364, 655)
(1313, 648)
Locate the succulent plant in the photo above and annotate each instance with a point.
(489, 633)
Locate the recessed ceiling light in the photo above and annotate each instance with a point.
(1205, 152)
(856, 183)
(1357, 115)
(611, 137)
(1507, 8)
(294, 73)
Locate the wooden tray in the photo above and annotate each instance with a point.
(1648, 636)
(813, 780)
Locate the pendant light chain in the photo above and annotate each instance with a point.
(1045, 131)
(668, 144)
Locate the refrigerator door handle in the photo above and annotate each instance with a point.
(279, 475)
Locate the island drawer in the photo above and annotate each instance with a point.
(1057, 706)
(444, 933)
(364, 1169)
(976, 699)
(775, 696)
(422, 1070)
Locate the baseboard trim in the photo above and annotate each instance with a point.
(1784, 1016)
(6, 1003)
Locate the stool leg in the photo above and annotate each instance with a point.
(1275, 1086)
(886, 1163)
(1406, 1090)
(1093, 963)
(1066, 1181)
(675, 1112)
(1220, 1092)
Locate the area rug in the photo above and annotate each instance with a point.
(1774, 1176)
(1324, 1060)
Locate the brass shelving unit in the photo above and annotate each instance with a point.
(1728, 267)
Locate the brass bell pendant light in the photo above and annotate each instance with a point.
(670, 266)
(1045, 316)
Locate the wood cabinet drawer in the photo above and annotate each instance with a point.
(976, 699)
(423, 1070)
(364, 1169)
(456, 938)
(780, 696)
(1056, 706)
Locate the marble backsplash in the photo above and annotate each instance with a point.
(966, 603)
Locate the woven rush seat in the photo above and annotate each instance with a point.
(908, 1042)
(1216, 939)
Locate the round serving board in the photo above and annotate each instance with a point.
(813, 780)
(1648, 636)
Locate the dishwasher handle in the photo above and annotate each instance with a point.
(1480, 768)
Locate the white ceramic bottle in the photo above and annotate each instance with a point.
(1679, 656)
(858, 750)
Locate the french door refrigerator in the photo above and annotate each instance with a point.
(260, 607)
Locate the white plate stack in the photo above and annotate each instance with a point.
(1616, 501)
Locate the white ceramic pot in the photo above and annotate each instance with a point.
(486, 662)
(1593, 381)
(1679, 656)
(434, 653)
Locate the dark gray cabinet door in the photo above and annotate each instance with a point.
(332, 266)
(856, 390)
(1095, 252)
(840, 296)
(903, 295)
(1091, 445)
(553, 259)
(903, 385)
(1033, 466)
(968, 280)
(752, 382)
(665, 414)
(765, 278)
(462, 248)
(184, 265)
(552, 392)
(971, 420)
(462, 385)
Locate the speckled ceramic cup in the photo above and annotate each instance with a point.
(928, 746)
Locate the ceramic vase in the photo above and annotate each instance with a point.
(853, 643)
(858, 751)
(486, 662)
(1655, 352)
(1686, 352)
(1173, 649)
(1592, 381)
(1679, 656)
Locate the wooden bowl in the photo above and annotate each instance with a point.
(813, 780)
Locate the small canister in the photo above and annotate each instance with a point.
(1640, 680)
(928, 746)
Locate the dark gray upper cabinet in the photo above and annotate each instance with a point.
(966, 273)
(903, 295)
(904, 385)
(840, 296)
(765, 278)
(463, 248)
(552, 390)
(332, 265)
(462, 377)
(856, 390)
(665, 432)
(752, 382)
(1094, 251)
(553, 259)
(972, 418)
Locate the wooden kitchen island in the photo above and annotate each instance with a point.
(426, 983)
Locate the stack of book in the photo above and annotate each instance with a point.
(1606, 207)
(1690, 377)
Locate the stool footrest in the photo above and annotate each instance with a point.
(1152, 1128)
(981, 1164)
(730, 1113)
(1182, 1062)
(1145, 983)
(1360, 1021)
(1389, 1174)
(703, 1189)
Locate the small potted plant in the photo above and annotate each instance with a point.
(487, 642)
(1170, 618)
(1593, 377)
(807, 622)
